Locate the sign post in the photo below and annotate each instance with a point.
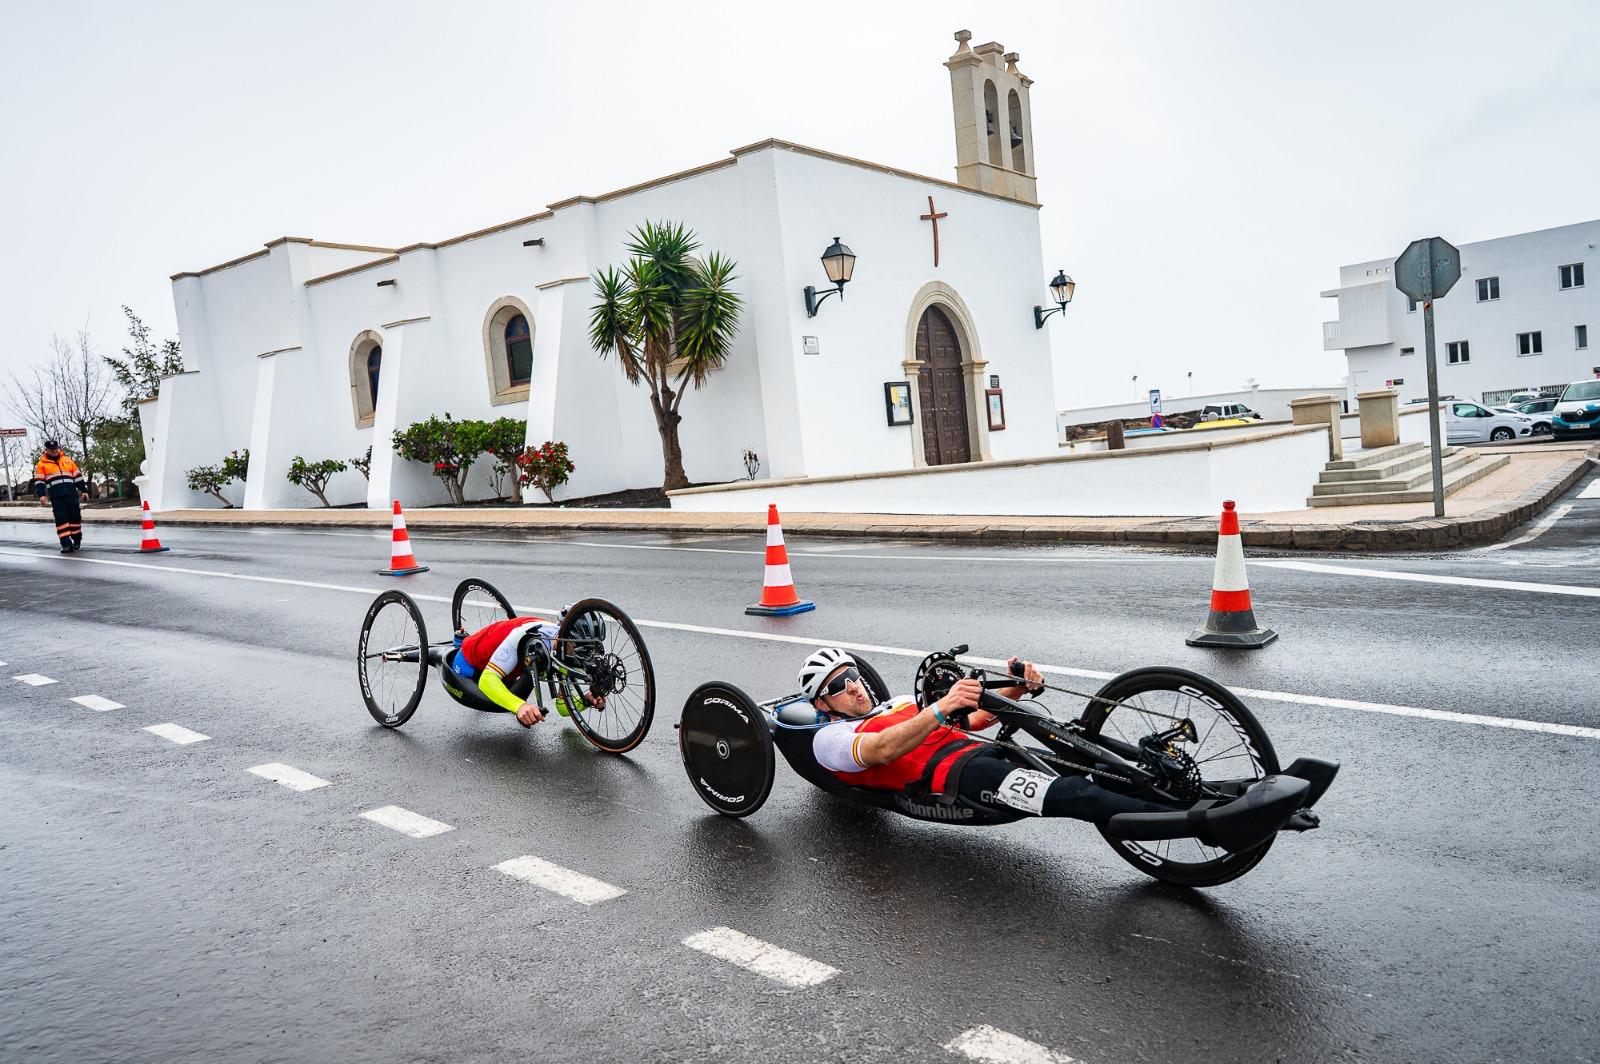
(1156, 420)
(1426, 270)
(5, 456)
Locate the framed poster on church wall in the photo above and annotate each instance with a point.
(897, 402)
(996, 402)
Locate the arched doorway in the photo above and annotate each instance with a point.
(941, 391)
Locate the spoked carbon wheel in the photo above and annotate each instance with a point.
(392, 658)
(602, 647)
(477, 604)
(726, 749)
(1230, 747)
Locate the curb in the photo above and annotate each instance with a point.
(1421, 534)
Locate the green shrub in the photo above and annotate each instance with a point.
(314, 476)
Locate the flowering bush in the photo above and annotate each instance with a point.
(545, 467)
(449, 446)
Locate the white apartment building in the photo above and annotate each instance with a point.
(1523, 317)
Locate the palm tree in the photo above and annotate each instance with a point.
(670, 317)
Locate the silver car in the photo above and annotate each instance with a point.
(1472, 423)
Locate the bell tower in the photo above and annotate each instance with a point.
(994, 123)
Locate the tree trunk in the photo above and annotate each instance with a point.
(671, 451)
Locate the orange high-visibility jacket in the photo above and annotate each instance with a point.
(57, 476)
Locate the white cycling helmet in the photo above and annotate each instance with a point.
(817, 668)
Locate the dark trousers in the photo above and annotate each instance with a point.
(69, 519)
(1068, 796)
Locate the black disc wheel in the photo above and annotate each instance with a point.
(392, 658)
(726, 748)
(476, 605)
(1230, 749)
(610, 680)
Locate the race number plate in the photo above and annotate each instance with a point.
(1024, 789)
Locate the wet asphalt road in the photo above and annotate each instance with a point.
(158, 902)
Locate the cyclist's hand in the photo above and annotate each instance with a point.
(529, 715)
(963, 696)
(597, 701)
(1030, 674)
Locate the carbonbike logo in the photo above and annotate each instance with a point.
(1244, 739)
(931, 812)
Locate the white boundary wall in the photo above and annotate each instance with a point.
(1262, 474)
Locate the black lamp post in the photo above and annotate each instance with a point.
(1061, 291)
(838, 262)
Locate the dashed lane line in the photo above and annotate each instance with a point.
(994, 1046)
(1532, 534)
(762, 958)
(1433, 578)
(97, 703)
(1420, 712)
(288, 776)
(177, 733)
(575, 886)
(406, 822)
(33, 679)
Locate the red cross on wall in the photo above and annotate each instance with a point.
(934, 216)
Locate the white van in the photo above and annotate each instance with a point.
(1578, 412)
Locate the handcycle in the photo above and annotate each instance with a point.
(604, 678)
(1162, 734)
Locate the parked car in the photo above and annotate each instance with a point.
(1522, 397)
(1422, 400)
(1473, 423)
(1538, 411)
(1578, 411)
(1219, 411)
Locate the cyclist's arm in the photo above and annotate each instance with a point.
(895, 741)
(494, 688)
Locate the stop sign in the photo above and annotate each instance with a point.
(1428, 268)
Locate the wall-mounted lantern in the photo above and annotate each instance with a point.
(1061, 291)
(838, 262)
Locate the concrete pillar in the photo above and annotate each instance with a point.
(1380, 417)
(1320, 410)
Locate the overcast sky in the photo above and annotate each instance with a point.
(1205, 168)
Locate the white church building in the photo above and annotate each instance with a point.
(320, 349)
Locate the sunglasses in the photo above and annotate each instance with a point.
(836, 685)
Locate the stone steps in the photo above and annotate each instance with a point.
(1416, 457)
(1377, 456)
(1403, 475)
(1476, 467)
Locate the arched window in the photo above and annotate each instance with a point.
(992, 117)
(508, 338)
(519, 350)
(1014, 119)
(366, 364)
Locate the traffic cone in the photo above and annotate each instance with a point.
(401, 561)
(778, 598)
(1232, 622)
(150, 544)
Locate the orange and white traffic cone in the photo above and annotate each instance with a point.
(150, 544)
(778, 597)
(1232, 621)
(401, 561)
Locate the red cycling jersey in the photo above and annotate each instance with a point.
(496, 644)
(926, 766)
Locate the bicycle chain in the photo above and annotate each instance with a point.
(1045, 755)
(1113, 703)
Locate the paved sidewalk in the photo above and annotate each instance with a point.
(1482, 512)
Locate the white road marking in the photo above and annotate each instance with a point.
(406, 822)
(177, 733)
(1432, 578)
(1592, 491)
(289, 776)
(585, 890)
(98, 704)
(1533, 533)
(1062, 670)
(994, 1046)
(754, 955)
(33, 679)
